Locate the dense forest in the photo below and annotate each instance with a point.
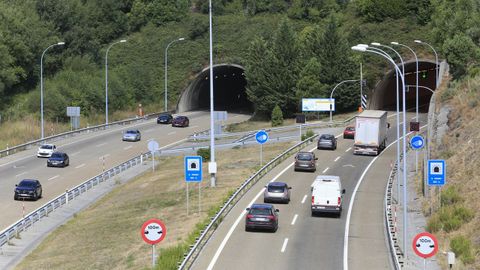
(290, 48)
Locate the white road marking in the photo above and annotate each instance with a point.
(240, 217)
(149, 130)
(193, 127)
(304, 198)
(348, 149)
(348, 165)
(80, 166)
(128, 147)
(101, 144)
(326, 169)
(171, 133)
(51, 178)
(284, 246)
(104, 156)
(74, 154)
(20, 174)
(336, 159)
(294, 219)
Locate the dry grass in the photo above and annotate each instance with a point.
(107, 234)
(461, 150)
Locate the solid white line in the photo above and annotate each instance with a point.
(128, 147)
(102, 144)
(80, 166)
(74, 154)
(326, 169)
(348, 149)
(294, 219)
(235, 224)
(20, 174)
(51, 178)
(304, 198)
(171, 133)
(336, 159)
(284, 246)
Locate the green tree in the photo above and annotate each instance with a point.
(461, 53)
(277, 116)
(380, 10)
(309, 84)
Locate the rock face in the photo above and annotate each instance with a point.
(441, 124)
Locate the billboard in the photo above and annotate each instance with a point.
(317, 104)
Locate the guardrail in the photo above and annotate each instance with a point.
(234, 198)
(25, 146)
(43, 211)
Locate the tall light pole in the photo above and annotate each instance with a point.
(331, 94)
(106, 78)
(212, 166)
(386, 56)
(166, 68)
(437, 72)
(41, 82)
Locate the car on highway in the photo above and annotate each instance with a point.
(305, 161)
(277, 192)
(180, 121)
(132, 135)
(58, 159)
(327, 141)
(349, 132)
(261, 216)
(46, 150)
(28, 189)
(327, 195)
(164, 118)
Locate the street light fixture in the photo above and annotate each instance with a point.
(41, 82)
(106, 78)
(386, 56)
(166, 68)
(437, 72)
(331, 94)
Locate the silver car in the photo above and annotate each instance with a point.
(132, 135)
(277, 192)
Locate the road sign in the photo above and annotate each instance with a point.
(193, 169)
(436, 172)
(153, 146)
(153, 231)
(414, 126)
(425, 245)
(261, 136)
(417, 142)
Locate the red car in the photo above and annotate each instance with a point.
(349, 132)
(180, 121)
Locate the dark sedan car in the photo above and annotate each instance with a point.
(262, 216)
(28, 189)
(180, 121)
(165, 118)
(349, 132)
(305, 161)
(327, 141)
(58, 159)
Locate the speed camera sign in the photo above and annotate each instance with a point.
(153, 231)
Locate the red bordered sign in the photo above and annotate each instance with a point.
(153, 231)
(425, 245)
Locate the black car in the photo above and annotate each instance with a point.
(28, 189)
(58, 159)
(165, 118)
(180, 121)
(327, 141)
(261, 216)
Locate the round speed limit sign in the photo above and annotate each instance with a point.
(425, 245)
(153, 231)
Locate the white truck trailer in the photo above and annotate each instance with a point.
(370, 132)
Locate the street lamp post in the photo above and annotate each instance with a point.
(437, 72)
(106, 78)
(41, 82)
(386, 56)
(331, 94)
(212, 166)
(166, 68)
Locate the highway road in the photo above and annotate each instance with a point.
(87, 152)
(302, 241)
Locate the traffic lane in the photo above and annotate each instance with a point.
(86, 161)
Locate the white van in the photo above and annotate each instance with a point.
(327, 195)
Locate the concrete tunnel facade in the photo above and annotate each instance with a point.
(230, 89)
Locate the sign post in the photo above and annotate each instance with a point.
(153, 147)
(261, 137)
(417, 143)
(193, 173)
(425, 245)
(153, 231)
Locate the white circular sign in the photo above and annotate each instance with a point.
(425, 245)
(153, 231)
(153, 146)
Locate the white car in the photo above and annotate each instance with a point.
(46, 150)
(327, 195)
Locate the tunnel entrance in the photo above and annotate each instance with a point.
(229, 91)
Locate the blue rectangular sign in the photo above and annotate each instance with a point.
(193, 169)
(436, 172)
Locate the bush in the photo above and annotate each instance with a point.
(277, 116)
(450, 196)
(307, 134)
(462, 247)
(453, 217)
(434, 224)
(204, 153)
